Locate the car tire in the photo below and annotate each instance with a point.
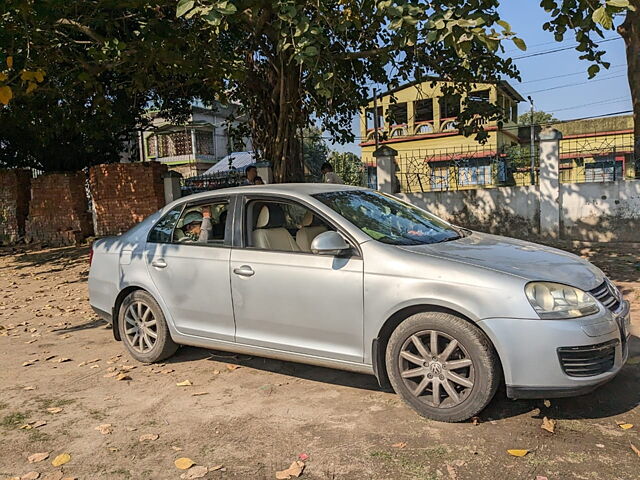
(143, 328)
(458, 381)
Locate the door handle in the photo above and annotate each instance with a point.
(244, 271)
(160, 263)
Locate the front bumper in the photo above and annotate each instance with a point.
(529, 351)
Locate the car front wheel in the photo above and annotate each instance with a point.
(444, 367)
(143, 328)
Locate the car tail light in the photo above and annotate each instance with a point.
(91, 255)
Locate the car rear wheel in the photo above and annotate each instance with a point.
(444, 367)
(143, 328)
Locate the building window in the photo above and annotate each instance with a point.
(204, 143)
(370, 118)
(449, 106)
(478, 174)
(174, 144)
(397, 114)
(479, 96)
(603, 169)
(423, 110)
(439, 178)
(514, 112)
(152, 146)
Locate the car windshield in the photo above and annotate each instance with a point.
(387, 219)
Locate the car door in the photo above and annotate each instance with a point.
(292, 300)
(192, 276)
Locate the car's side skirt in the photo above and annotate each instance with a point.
(244, 349)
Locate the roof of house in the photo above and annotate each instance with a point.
(502, 83)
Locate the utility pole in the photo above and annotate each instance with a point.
(376, 124)
(532, 147)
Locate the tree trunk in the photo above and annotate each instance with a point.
(276, 117)
(630, 32)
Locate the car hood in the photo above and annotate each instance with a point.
(516, 257)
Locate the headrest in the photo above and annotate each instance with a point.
(310, 220)
(271, 216)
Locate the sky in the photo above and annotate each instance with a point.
(557, 82)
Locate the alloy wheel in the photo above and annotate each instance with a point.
(436, 369)
(141, 327)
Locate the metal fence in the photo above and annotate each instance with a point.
(463, 169)
(597, 158)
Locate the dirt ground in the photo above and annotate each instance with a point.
(246, 418)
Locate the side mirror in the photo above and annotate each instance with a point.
(329, 243)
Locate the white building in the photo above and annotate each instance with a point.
(193, 147)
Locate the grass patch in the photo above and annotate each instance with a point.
(14, 420)
(121, 472)
(36, 435)
(97, 414)
(44, 403)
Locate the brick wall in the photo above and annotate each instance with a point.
(58, 210)
(15, 193)
(124, 194)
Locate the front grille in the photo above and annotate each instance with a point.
(588, 361)
(604, 294)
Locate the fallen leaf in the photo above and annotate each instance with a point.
(475, 420)
(29, 388)
(61, 459)
(216, 372)
(27, 364)
(197, 394)
(625, 426)
(232, 367)
(453, 475)
(517, 453)
(540, 477)
(111, 374)
(57, 475)
(38, 457)
(148, 437)
(167, 370)
(183, 463)
(294, 470)
(104, 429)
(88, 362)
(54, 410)
(177, 449)
(195, 472)
(39, 423)
(30, 476)
(215, 468)
(635, 449)
(599, 445)
(303, 456)
(548, 425)
(547, 403)
(123, 376)
(399, 445)
(62, 360)
(186, 383)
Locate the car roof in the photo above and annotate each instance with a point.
(301, 189)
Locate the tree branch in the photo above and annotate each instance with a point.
(84, 29)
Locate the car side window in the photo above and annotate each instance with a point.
(203, 224)
(161, 232)
(282, 226)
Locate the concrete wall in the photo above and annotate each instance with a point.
(512, 211)
(607, 211)
(598, 212)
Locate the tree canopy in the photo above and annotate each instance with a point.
(539, 118)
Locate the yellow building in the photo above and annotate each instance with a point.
(418, 121)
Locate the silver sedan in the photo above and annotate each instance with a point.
(353, 279)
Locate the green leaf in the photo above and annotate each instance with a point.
(520, 43)
(227, 9)
(618, 3)
(504, 25)
(593, 70)
(310, 51)
(184, 6)
(603, 17)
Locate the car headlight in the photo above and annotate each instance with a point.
(557, 301)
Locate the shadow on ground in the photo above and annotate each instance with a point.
(614, 398)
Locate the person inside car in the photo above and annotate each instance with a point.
(329, 176)
(197, 226)
(258, 181)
